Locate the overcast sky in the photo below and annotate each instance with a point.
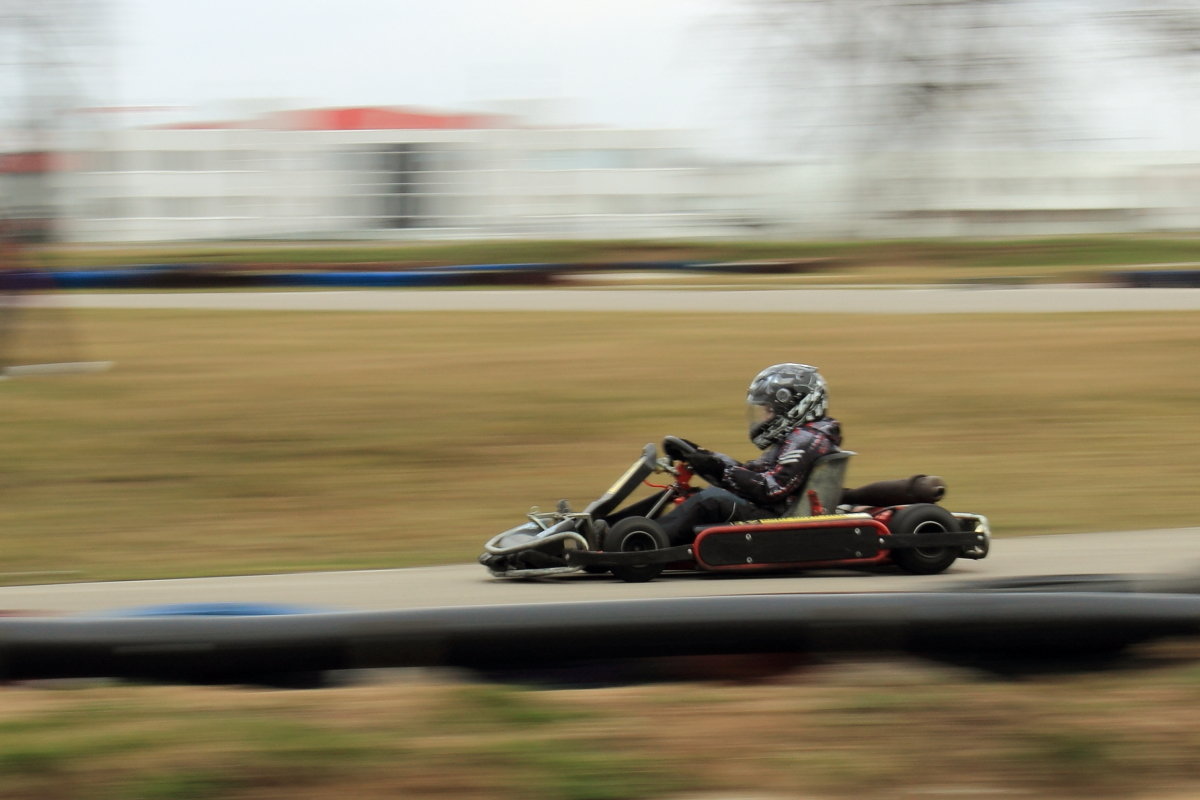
(619, 62)
(630, 63)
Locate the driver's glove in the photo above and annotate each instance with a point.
(704, 462)
(674, 453)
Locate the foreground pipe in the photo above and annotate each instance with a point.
(978, 627)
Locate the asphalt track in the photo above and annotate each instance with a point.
(922, 300)
(1145, 554)
(1141, 553)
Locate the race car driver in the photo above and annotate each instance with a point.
(786, 408)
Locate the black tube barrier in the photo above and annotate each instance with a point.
(1145, 584)
(1160, 279)
(984, 627)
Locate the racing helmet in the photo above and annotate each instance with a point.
(780, 398)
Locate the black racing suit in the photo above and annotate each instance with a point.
(760, 489)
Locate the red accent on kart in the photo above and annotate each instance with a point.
(882, 557)
(815, 503)
(682, 484)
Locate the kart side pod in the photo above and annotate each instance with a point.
(787, 543)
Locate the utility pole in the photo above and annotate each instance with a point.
(54, 60)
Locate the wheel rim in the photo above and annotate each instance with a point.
(929, 527)
(638, 542)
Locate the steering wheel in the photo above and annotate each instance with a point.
(678, 449)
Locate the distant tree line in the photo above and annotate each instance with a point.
(898, 74)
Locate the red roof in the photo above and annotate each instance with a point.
(349, 119)
(26, 163)
(374, 119)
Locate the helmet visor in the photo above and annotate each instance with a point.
(757, 415)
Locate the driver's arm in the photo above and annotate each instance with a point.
(780, 480)
(713, 467)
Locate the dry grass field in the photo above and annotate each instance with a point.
(230, 442)
(842, 731)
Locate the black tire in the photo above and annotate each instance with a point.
(922, 518)
(635, 534)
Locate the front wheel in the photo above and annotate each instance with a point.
(923, 518)
(635, 535)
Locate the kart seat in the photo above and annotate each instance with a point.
(826, 480)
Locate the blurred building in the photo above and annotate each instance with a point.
(27, 199)
(368, 173)
(386, 173)
(1033, 193)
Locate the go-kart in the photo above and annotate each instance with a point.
(888, 522)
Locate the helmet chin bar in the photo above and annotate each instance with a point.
(758, 435)
(770, 431)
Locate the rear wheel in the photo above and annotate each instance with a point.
(635, 535)
(923, 518)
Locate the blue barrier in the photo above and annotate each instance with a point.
(162, 276)
(362, 279)
(101, 279)
(210, 610)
